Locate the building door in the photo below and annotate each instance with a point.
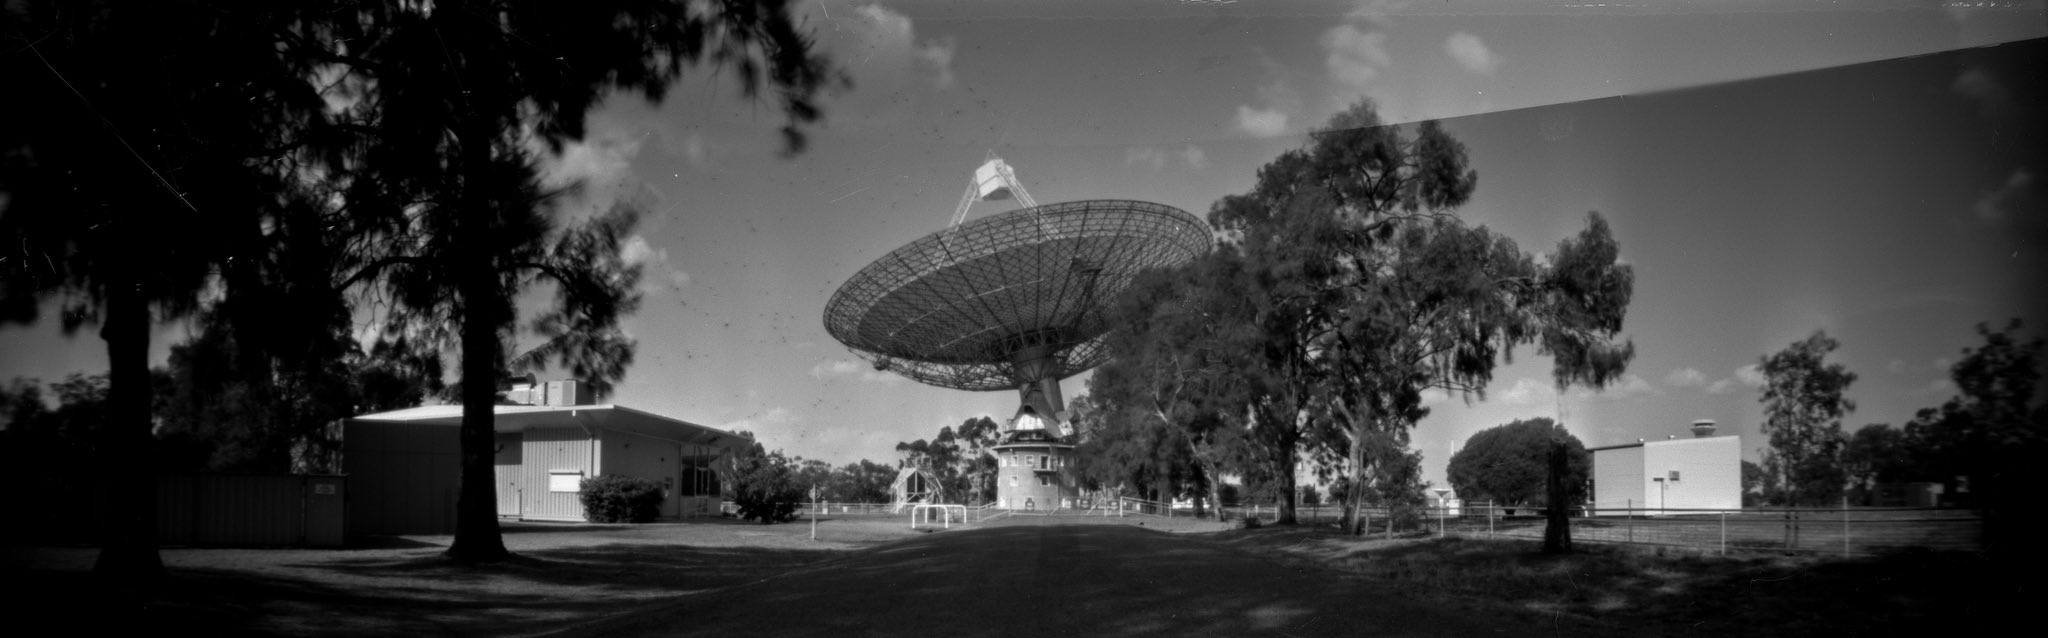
(508, 470)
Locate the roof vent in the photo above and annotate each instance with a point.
(1702, 428)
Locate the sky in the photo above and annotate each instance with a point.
(1769, 169)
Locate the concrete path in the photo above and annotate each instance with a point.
(1059, 580)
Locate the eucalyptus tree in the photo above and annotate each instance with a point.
(1803, 409)
(451, 99)
(1371, 291)
(1175, 363)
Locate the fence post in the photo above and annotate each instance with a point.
(1724, 532)
(1845, 524)
(1490, 512)
(1631, 520)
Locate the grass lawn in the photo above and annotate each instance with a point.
(1668, 592)
(565, 575)
(562, 574)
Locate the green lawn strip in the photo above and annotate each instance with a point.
(1672, 591)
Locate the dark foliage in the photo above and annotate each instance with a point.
(612, 498)
(1508, 464)
(764, 486)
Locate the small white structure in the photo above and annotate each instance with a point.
(914, 486)
(1700, 475)
(1443, 501)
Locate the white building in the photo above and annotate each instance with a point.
(1698, 475)
(404, 466)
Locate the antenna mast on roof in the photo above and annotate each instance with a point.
(994, 180)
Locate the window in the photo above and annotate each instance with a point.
(570, 481)
(1043, 481)
(1045, 462)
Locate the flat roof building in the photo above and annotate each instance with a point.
(403, 466)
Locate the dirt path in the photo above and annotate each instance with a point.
(1058, 580)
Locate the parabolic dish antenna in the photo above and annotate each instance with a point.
(1015, 300)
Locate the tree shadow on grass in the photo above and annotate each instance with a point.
(416, 592)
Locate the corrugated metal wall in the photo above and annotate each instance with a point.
(403, 477)
(251, 510)
(639, 456)
(549, 450)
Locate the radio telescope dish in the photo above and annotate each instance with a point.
(1009, 301)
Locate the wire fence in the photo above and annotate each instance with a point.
(1841, 531)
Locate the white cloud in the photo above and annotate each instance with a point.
(1471, 52)
(2015, 198)
(1527, 391)
(1435, 396)
(1146, 156)
(1750, 376)
(1685, 378)
(1745, 376)
(887, 45)
(599, 161)
(834, 368)
(1266, 122)
(1897, 366)
(1943, 363)
(1354, 56)
(657, 272)
(768, 426)
(1275, 104)
(858, 370)
(937, 58)
(1191, 155)
(1628, 386)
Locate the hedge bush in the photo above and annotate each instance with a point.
(611, 498)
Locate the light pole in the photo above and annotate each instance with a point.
(1441, 505)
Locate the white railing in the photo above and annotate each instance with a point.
(946, 511)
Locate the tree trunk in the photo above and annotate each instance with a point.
(1209, 477)
(128, 551)
(1284, 458)
(484, 309)
(1354, 493)
(1557, 530)
(476, 505)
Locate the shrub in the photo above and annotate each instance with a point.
(1252, 522)
(611, 498)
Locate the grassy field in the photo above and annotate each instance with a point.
(567, 574)
(401, 585)
(1668, 592)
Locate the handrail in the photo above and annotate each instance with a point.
(921, 510)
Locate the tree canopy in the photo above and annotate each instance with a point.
(288, 151)
(1344, 288)
(1803, 409)
(1508, 463)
